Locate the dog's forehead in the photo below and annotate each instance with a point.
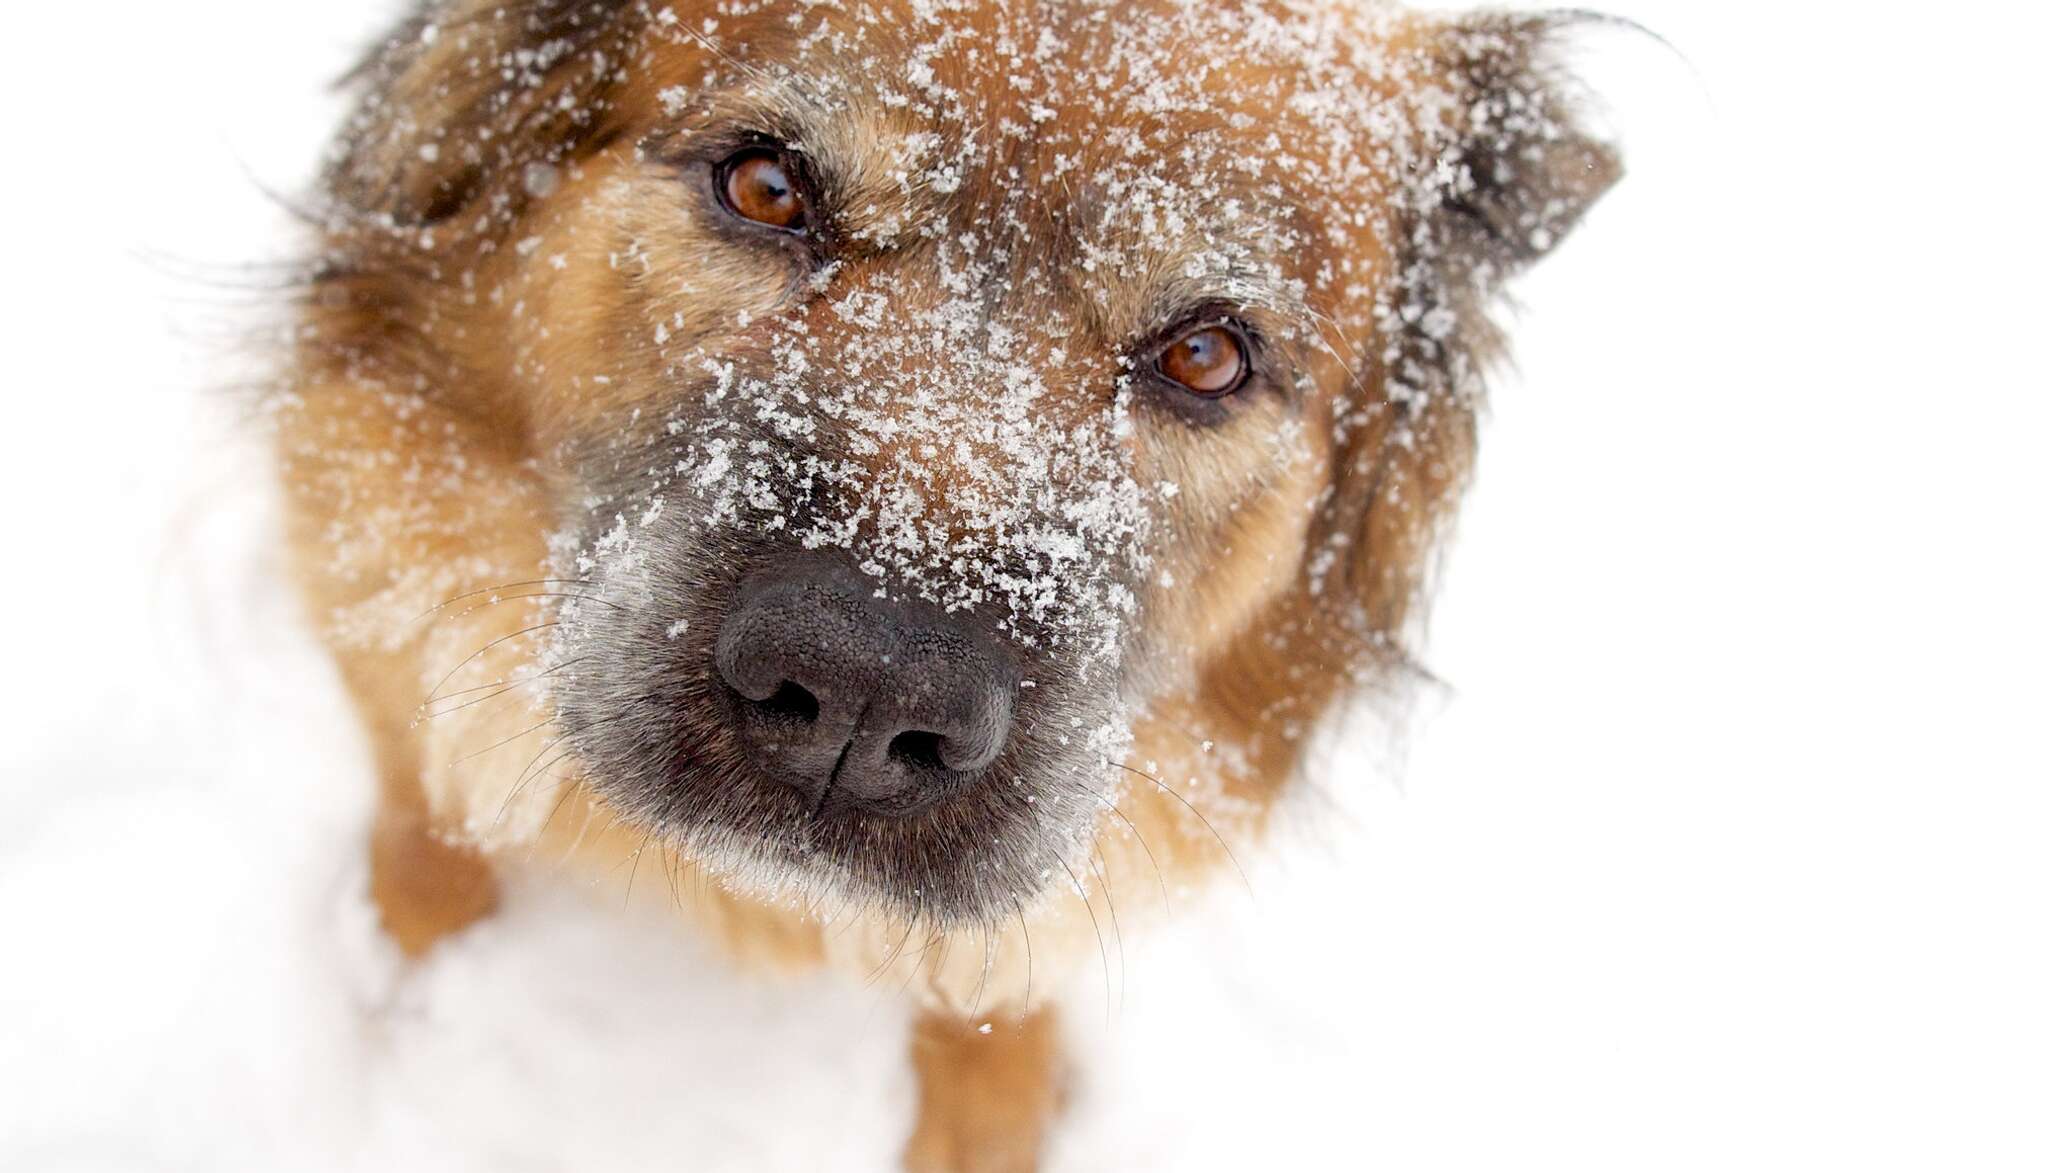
(1052, 98)
(1170, 151)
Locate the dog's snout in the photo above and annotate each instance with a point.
(857, 701)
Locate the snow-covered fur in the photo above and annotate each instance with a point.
(556, 398)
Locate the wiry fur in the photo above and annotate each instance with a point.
(548, 390)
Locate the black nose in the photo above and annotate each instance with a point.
(854, 700)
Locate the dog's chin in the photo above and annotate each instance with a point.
(971, 861)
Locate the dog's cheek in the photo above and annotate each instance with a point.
(1235, 512)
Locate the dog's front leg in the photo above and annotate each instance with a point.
(988, 1094)
(411, 548)
(425, 886)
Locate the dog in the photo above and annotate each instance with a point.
(909, 477)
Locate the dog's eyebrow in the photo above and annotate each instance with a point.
(1214, 254)
(1234, 278)
(1158, 288)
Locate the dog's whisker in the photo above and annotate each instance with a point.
(1029, 957)
(540, 675)
(574, 601)
(920, 959)
(1122, 963)
(1177, 797)
(985, 971)
(493, 747)
(554, 812)
(503, 688)
(530, 582)
(489, 716)
(633, 872)
(481, 651)
(533, 771)
(526, 769)
(895, 952)
(1100, 939)
(531, 776)
(527, 774)
(1157, 871)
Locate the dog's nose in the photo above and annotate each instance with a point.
(854, 700)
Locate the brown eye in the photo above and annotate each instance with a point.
(759, 184)
(1209, 361)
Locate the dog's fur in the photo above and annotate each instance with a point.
(552, 405)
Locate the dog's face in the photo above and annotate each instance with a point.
(923, 392)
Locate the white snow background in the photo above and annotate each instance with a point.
(1741, 840)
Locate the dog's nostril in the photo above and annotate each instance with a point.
(791, 702)
(917, 748)
(889, 706)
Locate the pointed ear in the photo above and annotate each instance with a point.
(1514, 168)
(459, 98)
(1499, 170)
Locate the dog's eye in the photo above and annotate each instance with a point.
(762, 185)
(1210, 361)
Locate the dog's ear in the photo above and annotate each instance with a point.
(1510, 168)
(1495, 168)
(461, 97)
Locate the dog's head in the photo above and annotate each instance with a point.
(927, 392)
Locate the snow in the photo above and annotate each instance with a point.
(1738, 843)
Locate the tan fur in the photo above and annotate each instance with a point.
(986, 1098)
(442, 367)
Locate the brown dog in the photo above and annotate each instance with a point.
(914, 474)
